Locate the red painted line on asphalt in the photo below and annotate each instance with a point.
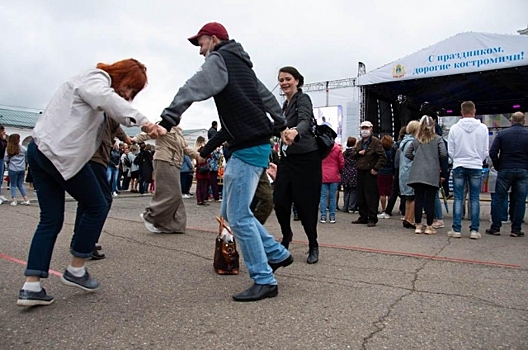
(421, 256)
(21, 262)
(392, 252)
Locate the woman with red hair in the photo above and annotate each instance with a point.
(66, 136)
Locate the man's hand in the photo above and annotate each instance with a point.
(290, 135)
(153, 130)
(129, 141)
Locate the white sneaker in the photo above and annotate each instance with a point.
(14, 203)
(3, 199)
(438, 224)
(384, 216)
(186, 196)
(114, 194)
(28, 202)
(474, 235)
(454, 234)
(150, 226)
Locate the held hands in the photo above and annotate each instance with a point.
(289, 135)
(153, 130)
(272, 171)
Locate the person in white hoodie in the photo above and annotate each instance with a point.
(468, 145)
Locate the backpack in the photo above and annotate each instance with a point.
(137, 160)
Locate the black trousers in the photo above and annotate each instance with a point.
(368, 196)
(299, 179)
(424, 194)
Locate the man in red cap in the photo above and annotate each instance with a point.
(242, 102)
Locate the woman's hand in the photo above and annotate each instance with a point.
(153, 130)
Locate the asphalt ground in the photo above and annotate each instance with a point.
(373, 288)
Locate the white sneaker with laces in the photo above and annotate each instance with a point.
(150, 226)
(384, 216)
(474, 235)
(13, 203)
(454, 234)
(28, 202)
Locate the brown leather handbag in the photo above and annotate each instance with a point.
(226, 254)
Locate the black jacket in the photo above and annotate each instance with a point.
(299, 114)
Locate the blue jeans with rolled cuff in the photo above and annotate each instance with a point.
(257, 245)
(51, 189)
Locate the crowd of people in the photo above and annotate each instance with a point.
(372, 172)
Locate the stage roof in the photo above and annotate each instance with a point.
(489, 69)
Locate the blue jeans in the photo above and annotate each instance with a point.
(16, 178)
(256, 244)
(438, 212)
(99, 171)
(350, 200)
(325, 188)
(517, 180)
(51, 188)
(111, 176)
(504, 210)
(2, 164)
(460, 177)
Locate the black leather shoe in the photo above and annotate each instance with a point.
(313, 255)
(97, 256)
(493, 231)
(286, 262)
(517, 234)
(359, 221)
(98, 247)
(257, 292)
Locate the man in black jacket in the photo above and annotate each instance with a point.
(509, 154)
(242, 102)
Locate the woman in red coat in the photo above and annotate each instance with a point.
(332, 167)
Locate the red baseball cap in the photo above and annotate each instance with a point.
(211, 28)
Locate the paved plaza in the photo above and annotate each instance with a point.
(373, 288)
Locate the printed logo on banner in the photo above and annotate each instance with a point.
(398, 71)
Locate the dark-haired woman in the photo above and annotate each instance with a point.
(15, 158)
(66, 136)
(299, 172)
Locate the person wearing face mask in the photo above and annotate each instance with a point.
(242, 101)
(370, 157)
(78, 109)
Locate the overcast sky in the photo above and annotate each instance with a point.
(46, 42)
